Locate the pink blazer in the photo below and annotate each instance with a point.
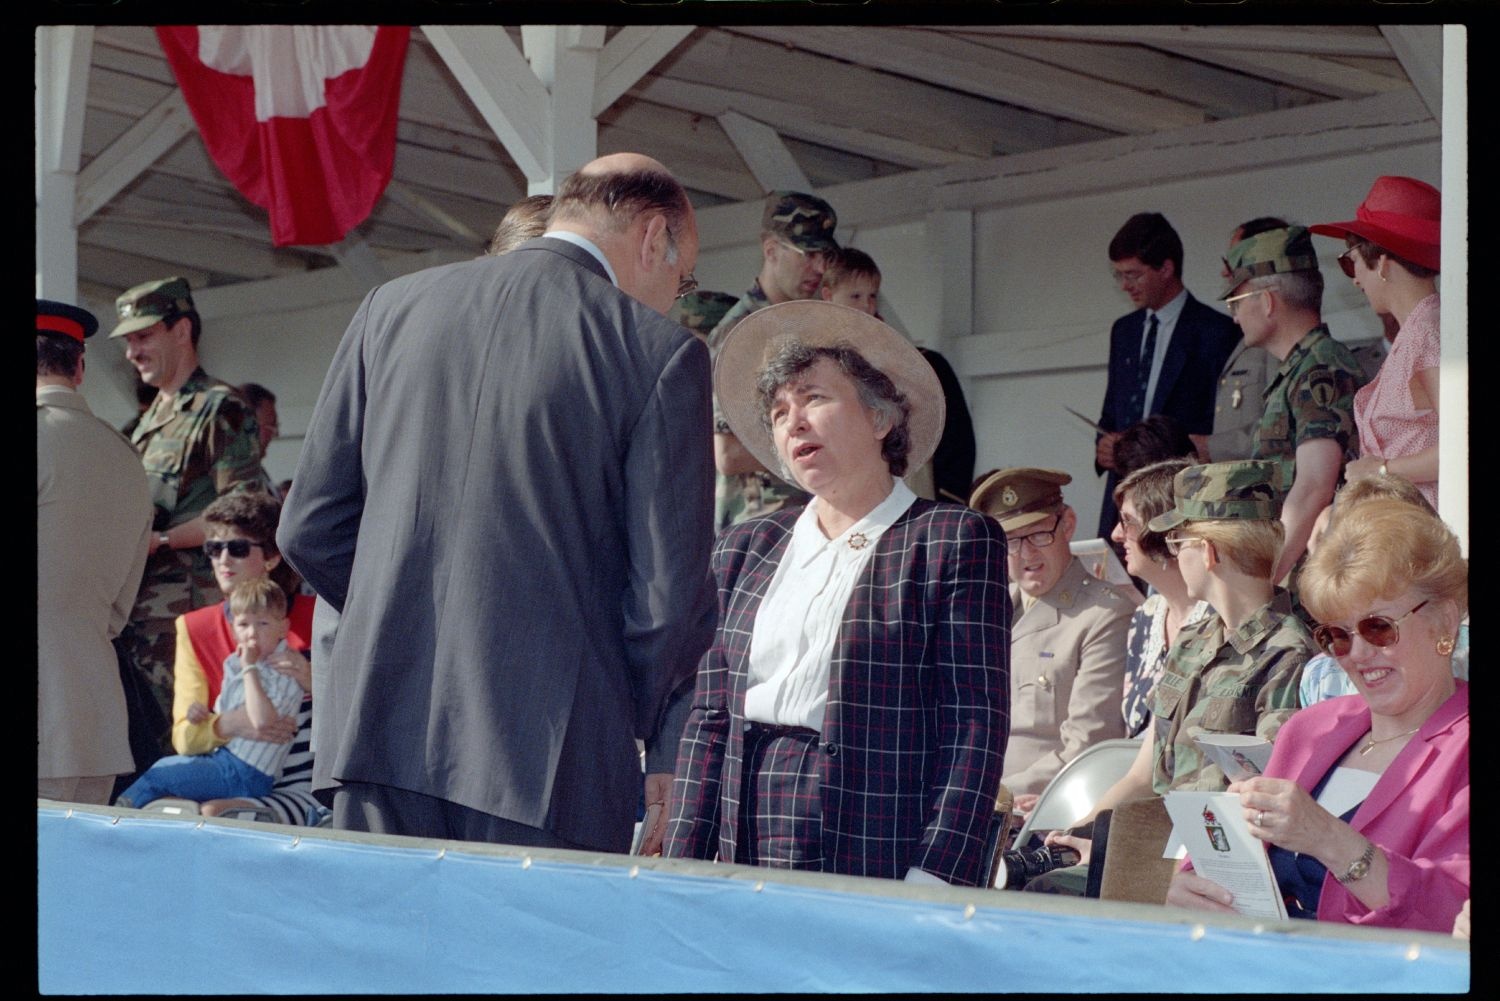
(1417, 814)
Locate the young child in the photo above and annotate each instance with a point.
(850, 278)
(243, 767)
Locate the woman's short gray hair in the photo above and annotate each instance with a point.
(876, 392)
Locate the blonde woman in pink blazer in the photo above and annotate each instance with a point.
(1365, 803)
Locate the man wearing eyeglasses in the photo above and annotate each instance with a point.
(796, 234)
(198, 439)
(1164, 358)
(504, 491)
(1067, 635)
(1275, 294)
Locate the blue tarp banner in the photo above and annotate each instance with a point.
(131, 902)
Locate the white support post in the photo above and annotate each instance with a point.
(764, 153)
(565, 59)
(1419, 48)
(1453, 284)
(62, 65)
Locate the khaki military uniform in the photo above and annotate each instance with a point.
(1240, 682)
(202, 443)
(1067, 674)
(1240, 401)
(743, 496)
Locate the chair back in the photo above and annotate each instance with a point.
(1075, 789)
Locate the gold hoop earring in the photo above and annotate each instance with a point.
(1445, 645)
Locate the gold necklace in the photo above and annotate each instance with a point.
(1371, 742)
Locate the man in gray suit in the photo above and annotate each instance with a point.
(506, 491)
(93, 517)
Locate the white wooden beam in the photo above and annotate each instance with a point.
(565, 60)
(630, 55)
(764, 153)
(310, 289)
(207, 251)
(355, 256)
(1453, 283)
(61, 72)
(1356, 40)
(413, 200)
(1314, 73)
(977, 69)
(1420, 49)
(797, 121)
(500, 83)
(131, 154)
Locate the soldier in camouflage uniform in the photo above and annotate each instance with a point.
(198, 439)
(1275, 293)
(796, 231)
(1238, 670)
(701, 311)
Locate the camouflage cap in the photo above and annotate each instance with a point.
(805, 221)
(1020, 496)
(150, 302)
(1246, 489)
(701, 311)
(1274, 252)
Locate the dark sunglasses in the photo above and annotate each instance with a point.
(238, 548)
(1346, 263)
(1376, 630)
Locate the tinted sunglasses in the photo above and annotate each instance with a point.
(238, 548)
(1376, 630)
(1346, 263)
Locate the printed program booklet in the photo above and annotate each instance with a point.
(1239, 755)
(1212, 826)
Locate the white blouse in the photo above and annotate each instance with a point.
(798, 622)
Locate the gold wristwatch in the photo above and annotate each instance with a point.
(1359, 866)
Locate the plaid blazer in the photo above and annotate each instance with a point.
(914, 732)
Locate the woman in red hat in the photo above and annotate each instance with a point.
(1393, 257)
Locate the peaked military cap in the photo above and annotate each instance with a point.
(64, 320)
(1020, 496)
(1246, 489)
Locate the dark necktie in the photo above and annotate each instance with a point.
(1143, 370)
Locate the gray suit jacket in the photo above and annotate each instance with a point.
(93, 519)
(506, 490)
(1067, 674)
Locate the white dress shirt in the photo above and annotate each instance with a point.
(586, 244)
(797, 625)
(1166, 322)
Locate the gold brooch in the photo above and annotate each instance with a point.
(858, 540)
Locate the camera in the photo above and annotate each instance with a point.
(1024, 865)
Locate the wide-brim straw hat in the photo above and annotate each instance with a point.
(1401, 214)
(816, 323)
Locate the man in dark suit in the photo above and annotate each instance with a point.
(1164, 358)
(506, 491)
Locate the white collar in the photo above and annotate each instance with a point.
(586, 244)
(809, 542)
(1168, 314)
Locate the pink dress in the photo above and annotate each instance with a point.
(1390, 425)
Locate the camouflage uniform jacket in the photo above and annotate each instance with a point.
(746, 495)
(198, 445)
(1311, 396)
(1241, 682)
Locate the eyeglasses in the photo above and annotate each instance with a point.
(1346, 263)
(1174, 543)
(1376, 630)
(688, 285)
(238, 548)
(1233, 301)
(1038, 540)
(1126, 277)
(816, 256)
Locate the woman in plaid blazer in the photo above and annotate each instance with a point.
(852, 712)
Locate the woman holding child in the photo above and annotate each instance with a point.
(850, 715)
(1365, 801)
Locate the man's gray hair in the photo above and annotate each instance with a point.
(614, 199)
(1299, 289)
(877, 393)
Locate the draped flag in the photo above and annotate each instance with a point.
(302, 118)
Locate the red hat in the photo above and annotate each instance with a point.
(1401, 214)
(62, 319)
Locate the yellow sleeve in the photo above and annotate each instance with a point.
(189, 685)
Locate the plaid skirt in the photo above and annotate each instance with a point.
(781, 811)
